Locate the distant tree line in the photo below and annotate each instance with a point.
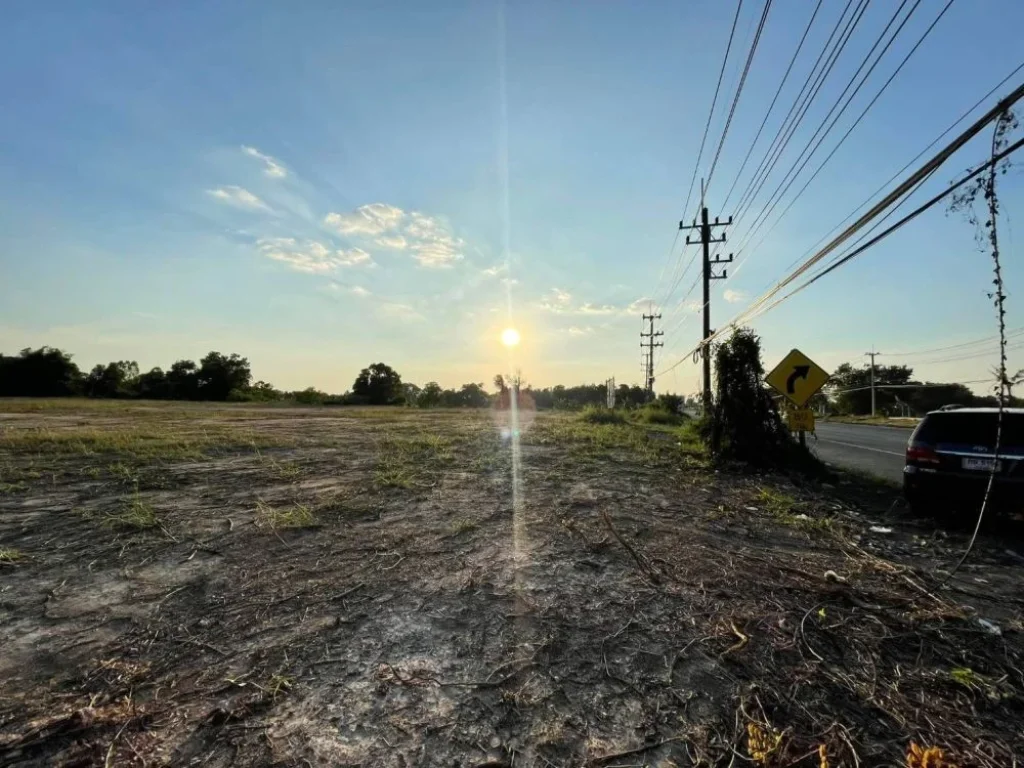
(51, 372)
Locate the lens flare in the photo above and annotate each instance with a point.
(510, 337)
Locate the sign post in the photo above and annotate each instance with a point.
(798, 378)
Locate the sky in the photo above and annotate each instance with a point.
(321, 186)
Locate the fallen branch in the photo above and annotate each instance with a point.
(641, 563)
(628, 752)
(739, 645)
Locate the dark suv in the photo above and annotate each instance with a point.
(950, 456)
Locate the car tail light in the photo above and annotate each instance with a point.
(918, 453)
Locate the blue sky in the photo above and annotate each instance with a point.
(319, 186)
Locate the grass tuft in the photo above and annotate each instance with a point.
(9, 555)
(136, 514)
(401, 460)
(277, 518)
(462, 525)
(783, 508)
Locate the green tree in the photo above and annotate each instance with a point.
(744, 422)
(430, 395)
(264, 392)
(118, 379)
(934, 396)
(310, 396)
(850, 387)
(153, 385)
(183, 380)
(410, 393)
(43, 372)
(630, 396)
(378, 384)
(219, 375)
(474, 396)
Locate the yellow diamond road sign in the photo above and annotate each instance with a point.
(797, 377)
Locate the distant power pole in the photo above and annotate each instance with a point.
(649, 345)
(706, 239)
(872, 354)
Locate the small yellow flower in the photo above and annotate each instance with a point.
(761, 743)
(927, 757)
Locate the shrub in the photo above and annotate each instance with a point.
(595, 414)
(655, 414)
(745, 423)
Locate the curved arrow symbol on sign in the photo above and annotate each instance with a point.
(799, 372)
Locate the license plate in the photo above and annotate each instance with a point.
(985, 465)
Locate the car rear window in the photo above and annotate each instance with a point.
(971, 428)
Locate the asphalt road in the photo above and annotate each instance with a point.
(876, 450)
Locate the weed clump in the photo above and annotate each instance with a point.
(595, 414)
(277, 518)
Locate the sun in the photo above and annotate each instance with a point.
(510, 337)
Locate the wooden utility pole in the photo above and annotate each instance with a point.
(706, 240)
(649, 345)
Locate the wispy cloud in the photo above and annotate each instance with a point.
(372, 219)
(597, 309)
(312, 257)
(396, 242)
(639, 306)
(734, 297)
(238, 197)
(428, 239)
(561, 302)
(556, 300)
(497, 269)
(356, 290)
(575, 330)
(271, 167)
(398, 311)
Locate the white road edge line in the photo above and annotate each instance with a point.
(862, 447)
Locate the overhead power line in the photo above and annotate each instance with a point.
(801, 103)
(913, 386)
(986, 340)
(739, 91)
(972, 356)
(909, 163)
(909, 217)
(771, 106)
(853, 79)
(937, 160)
(676, 277)
(798, 170)
(711, 112)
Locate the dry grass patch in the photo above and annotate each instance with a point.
(278, 518)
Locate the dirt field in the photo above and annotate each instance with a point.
(241, 586)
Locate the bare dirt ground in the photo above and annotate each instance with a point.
(241, 586)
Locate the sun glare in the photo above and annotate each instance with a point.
(510, 337)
